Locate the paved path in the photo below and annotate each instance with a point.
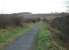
(25, 42)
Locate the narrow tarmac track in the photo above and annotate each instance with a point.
(25, 42)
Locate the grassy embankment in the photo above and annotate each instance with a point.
(43, 38)
(11, 33)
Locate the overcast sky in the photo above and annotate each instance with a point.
(34, 6)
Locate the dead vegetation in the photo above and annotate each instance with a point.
(59, 28)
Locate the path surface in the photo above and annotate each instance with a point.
(25, 42)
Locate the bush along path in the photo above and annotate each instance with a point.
(26, 42)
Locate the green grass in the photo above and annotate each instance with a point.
(10, 34)
(43, 39)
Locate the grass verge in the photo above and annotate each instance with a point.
(10, 34)
(43, 38)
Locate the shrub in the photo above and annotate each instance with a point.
(59, 28)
